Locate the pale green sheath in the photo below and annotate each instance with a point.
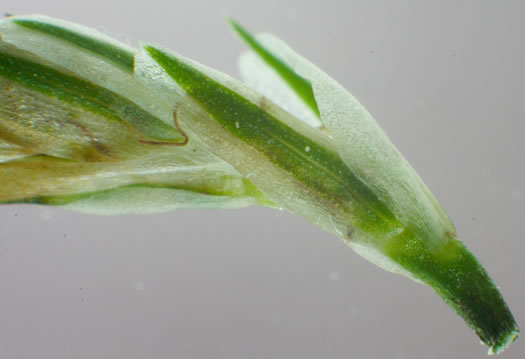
(93, 125)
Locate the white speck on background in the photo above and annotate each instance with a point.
(334, 276)
(307, 148)
(139, 286)
(46, 215)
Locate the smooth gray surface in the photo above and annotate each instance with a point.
(446, 81)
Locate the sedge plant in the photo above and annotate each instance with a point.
(93, 125)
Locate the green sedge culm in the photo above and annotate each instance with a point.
(93, 125)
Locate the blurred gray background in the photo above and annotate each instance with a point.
(447, 82)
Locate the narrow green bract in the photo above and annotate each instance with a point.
(322, 171)
(80, 132)
(87, 96)
(299, 84)
(427, 248)
(99, 45)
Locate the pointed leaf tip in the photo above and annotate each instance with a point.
(301, 86)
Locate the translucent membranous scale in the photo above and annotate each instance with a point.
(78, 130)
(94, 125)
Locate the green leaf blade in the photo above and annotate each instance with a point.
(427, 248)
(299, 84)
(79, 131)
(76, 102)
(105, 47)
(319, 170)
